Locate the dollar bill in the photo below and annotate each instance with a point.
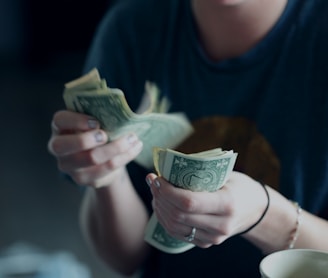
(90, 95)
(203, 171)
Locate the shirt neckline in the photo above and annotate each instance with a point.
(265, 47)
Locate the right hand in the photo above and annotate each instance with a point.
(82, 150)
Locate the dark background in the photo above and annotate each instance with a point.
(42, 46)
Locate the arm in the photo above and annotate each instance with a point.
(113, 217)
(275, 231)
(231, 210)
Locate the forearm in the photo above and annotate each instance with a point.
(113, 219)
(277, 227)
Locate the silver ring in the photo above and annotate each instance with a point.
(191, 237)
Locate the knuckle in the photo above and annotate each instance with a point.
(225, 229)
(229, 208)
(118, 146)
(79, 179)
(189, 204)
(56, 117)
(112, 164)
(81, 141)
(92, 157)
(229, 204)
(178, 217)
(217, 240)
(55, 146)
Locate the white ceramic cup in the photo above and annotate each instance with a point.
(295, 263)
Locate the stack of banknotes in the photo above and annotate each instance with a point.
(160, 133)
(90, 95)
(203, 171)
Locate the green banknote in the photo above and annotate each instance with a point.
(204, 171)
(90, 95)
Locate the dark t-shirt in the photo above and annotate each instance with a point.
(269, 104)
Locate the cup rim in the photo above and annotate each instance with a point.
(289, 251)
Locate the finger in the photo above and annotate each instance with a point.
(115, 154)
(207, 234)
(192, 202)
(175, 219)
(68, 121)
(203, 238)
(94, 176)
(120, 150)
(211, 228)
(72, 143)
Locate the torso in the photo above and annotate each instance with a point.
(270, 104)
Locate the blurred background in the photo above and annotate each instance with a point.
(42, 46)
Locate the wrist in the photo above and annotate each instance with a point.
(275, 231)
(263, 213)
(116, 178)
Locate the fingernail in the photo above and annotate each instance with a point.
(148, 181)
(92, 124)
(132, 138)
(99, 137)
(157, 183)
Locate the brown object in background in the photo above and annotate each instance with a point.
(255, 158)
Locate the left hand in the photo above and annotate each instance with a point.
(215, 215)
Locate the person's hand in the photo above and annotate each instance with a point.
(82, 151)
(215, 215)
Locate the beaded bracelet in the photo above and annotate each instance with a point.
(263, 214)
(296, 230)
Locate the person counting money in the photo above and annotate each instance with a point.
(250, 76)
